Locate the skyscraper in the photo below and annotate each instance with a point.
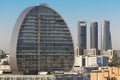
(82, 35)
(106, 36)
(41, 41)
(94, 35)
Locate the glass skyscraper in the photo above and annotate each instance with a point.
(106, 36)
(82, 35)
(94, 35)
(41, 41)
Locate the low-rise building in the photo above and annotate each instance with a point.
(90, 51)
(78, 61)
(78, 51)
(116, 54)
(5, 69)
(106, 73)
(89, 61)
(41, 77)
(78, 64)
(96, 61)
(108, 53)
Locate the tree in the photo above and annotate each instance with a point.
(5, 63)
(114, 63)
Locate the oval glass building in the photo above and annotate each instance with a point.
(41, 41)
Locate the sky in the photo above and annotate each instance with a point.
(71, 10)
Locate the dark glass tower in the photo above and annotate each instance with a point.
(94, 35)
(41, 41)
(82, 35)
(106, 36)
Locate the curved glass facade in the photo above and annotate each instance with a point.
(43, 42)
(106, 43)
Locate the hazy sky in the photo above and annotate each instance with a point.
(71, 10)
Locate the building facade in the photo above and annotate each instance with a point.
(109, 53)
(42, 77)
(78, 64)
(90, 52)
(96, 61)
(82, 35)
(108, 73)
(94, 35)
(116, 54)
(90, 61)
(106, 36)
(41, 41)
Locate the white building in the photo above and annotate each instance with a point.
(4, 68)
(78, 61)
(91, 61)
(78, 64)
(96, 61)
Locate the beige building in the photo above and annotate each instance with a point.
(108, 73)
(90, 52)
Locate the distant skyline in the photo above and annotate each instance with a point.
(72, 11)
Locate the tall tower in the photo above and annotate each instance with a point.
(94, 35)
(106, 36)
(41, 41)
(82, 35)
